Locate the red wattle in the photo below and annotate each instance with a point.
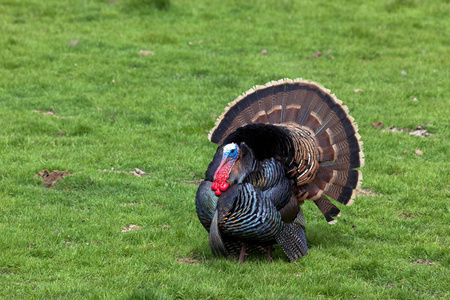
(221, 176)
(223, 186)
(214, 186)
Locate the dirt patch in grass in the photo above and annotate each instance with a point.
(424, 262)
(377, 124)
(417, 131)
(365, 192)
(137, 172)
(50, 113)
(405, 214)
(131, 227)
(146, 53)
(420, 131)
(50, 179)
(73, 43)
(195, 183)
(189, 260)
(319, 54)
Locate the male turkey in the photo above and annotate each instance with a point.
(279, 144)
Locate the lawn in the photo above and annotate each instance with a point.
(101, 87)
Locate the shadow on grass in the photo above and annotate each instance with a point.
(145, 6)
(149, 294)
(321, 236)
(327, 237)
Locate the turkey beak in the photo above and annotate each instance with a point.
(215, 240)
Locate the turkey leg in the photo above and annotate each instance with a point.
(241, 256)
(269, 253)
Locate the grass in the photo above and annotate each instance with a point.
(113, 107)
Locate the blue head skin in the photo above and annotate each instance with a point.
(230, 151)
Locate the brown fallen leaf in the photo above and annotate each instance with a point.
(418, 152)
(131, 227)
(317, 54)
(73, 43)
(165, 227)
(264, 52)
(377, 124)
(358, 91)
(51, 178)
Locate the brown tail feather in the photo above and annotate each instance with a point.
(328, 209)
(325, 137)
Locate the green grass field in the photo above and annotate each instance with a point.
(90, 85)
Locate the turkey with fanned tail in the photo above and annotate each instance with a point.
(279, 145)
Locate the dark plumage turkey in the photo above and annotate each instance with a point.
(279, 145)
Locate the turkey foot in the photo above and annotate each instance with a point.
(241, 256)
(269, 253)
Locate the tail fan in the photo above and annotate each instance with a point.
(320, 141)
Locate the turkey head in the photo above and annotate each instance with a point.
(236, 162)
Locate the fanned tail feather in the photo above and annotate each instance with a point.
(328, 209)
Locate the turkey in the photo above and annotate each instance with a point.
(279, 145)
